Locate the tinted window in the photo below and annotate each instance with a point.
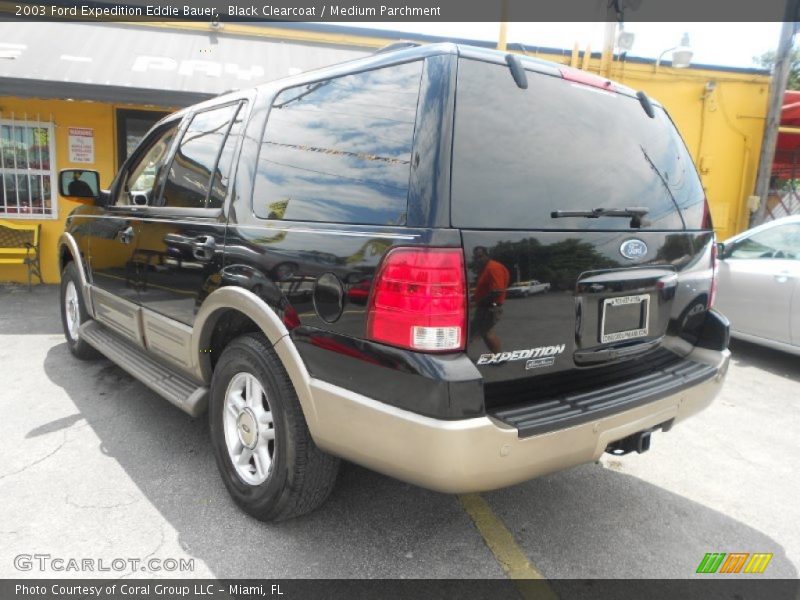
(196, 159)
(521, 154)
(219, 185)
(148, 169)
(340, 150)
(782, 241)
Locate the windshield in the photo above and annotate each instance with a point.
(522, 154)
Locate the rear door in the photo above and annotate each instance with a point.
(615, 287)
(758, 278)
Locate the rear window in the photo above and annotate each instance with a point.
(520, 154)
(340, 150)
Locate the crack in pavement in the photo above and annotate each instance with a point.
(90, 506)
(144, 569)
(38, 460)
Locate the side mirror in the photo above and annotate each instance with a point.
(78, 183)
(720, 250)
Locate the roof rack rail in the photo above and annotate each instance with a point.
(398, 45)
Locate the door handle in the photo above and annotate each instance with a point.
(783, 277)
(204, 247)
(125, 235)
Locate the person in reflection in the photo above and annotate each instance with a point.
(489, 296)
(79, 188)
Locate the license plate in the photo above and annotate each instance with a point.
(624, 318)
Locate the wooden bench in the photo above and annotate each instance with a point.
(19, 245)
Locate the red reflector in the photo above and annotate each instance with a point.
(418, 300)
(290, 318)
(585, 78)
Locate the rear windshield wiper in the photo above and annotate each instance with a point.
(596, 213)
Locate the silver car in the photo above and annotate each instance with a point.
(759, 284)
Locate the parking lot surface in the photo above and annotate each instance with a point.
(94, 465)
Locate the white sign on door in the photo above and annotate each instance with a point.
(81, 145)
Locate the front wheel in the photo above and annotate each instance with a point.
(262, 445)
(74, 313)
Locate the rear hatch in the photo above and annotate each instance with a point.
(618, 289)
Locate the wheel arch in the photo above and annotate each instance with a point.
(230, 301)
(68, 251)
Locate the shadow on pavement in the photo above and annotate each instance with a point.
(53, 426)
(586, 522)
(776, 362)
(594, 522)
(371, 526)
(24, 312)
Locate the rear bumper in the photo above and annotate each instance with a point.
(483, 453)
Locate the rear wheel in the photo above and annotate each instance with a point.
(74, 313)
(262, 445)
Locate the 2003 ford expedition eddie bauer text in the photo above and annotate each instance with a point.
(322, 263)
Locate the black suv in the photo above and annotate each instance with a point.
(323, 262)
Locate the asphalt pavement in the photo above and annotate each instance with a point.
(95, 466)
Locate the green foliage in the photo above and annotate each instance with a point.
(767, 61)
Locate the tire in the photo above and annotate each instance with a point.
(74, 314)
(267, 424)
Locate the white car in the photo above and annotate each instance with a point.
(758, 285)
(527, 288)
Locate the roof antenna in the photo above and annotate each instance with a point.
(517, 72)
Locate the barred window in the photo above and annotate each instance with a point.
(26, 169)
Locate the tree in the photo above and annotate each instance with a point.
(767, 61)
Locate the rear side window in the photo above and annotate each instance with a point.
(339, 150)
(520, 154)
(196, 161)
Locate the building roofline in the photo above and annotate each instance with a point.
(512, 46)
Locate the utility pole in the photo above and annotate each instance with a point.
(777, 88)
(502, 37)
(503, 33)
(609, 38)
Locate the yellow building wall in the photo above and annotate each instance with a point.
(63, 114)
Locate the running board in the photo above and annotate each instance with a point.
(179, 390)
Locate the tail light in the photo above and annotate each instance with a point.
(709, 225)
(419, 300)
(712, 295)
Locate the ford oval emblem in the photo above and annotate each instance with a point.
(633, 249)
